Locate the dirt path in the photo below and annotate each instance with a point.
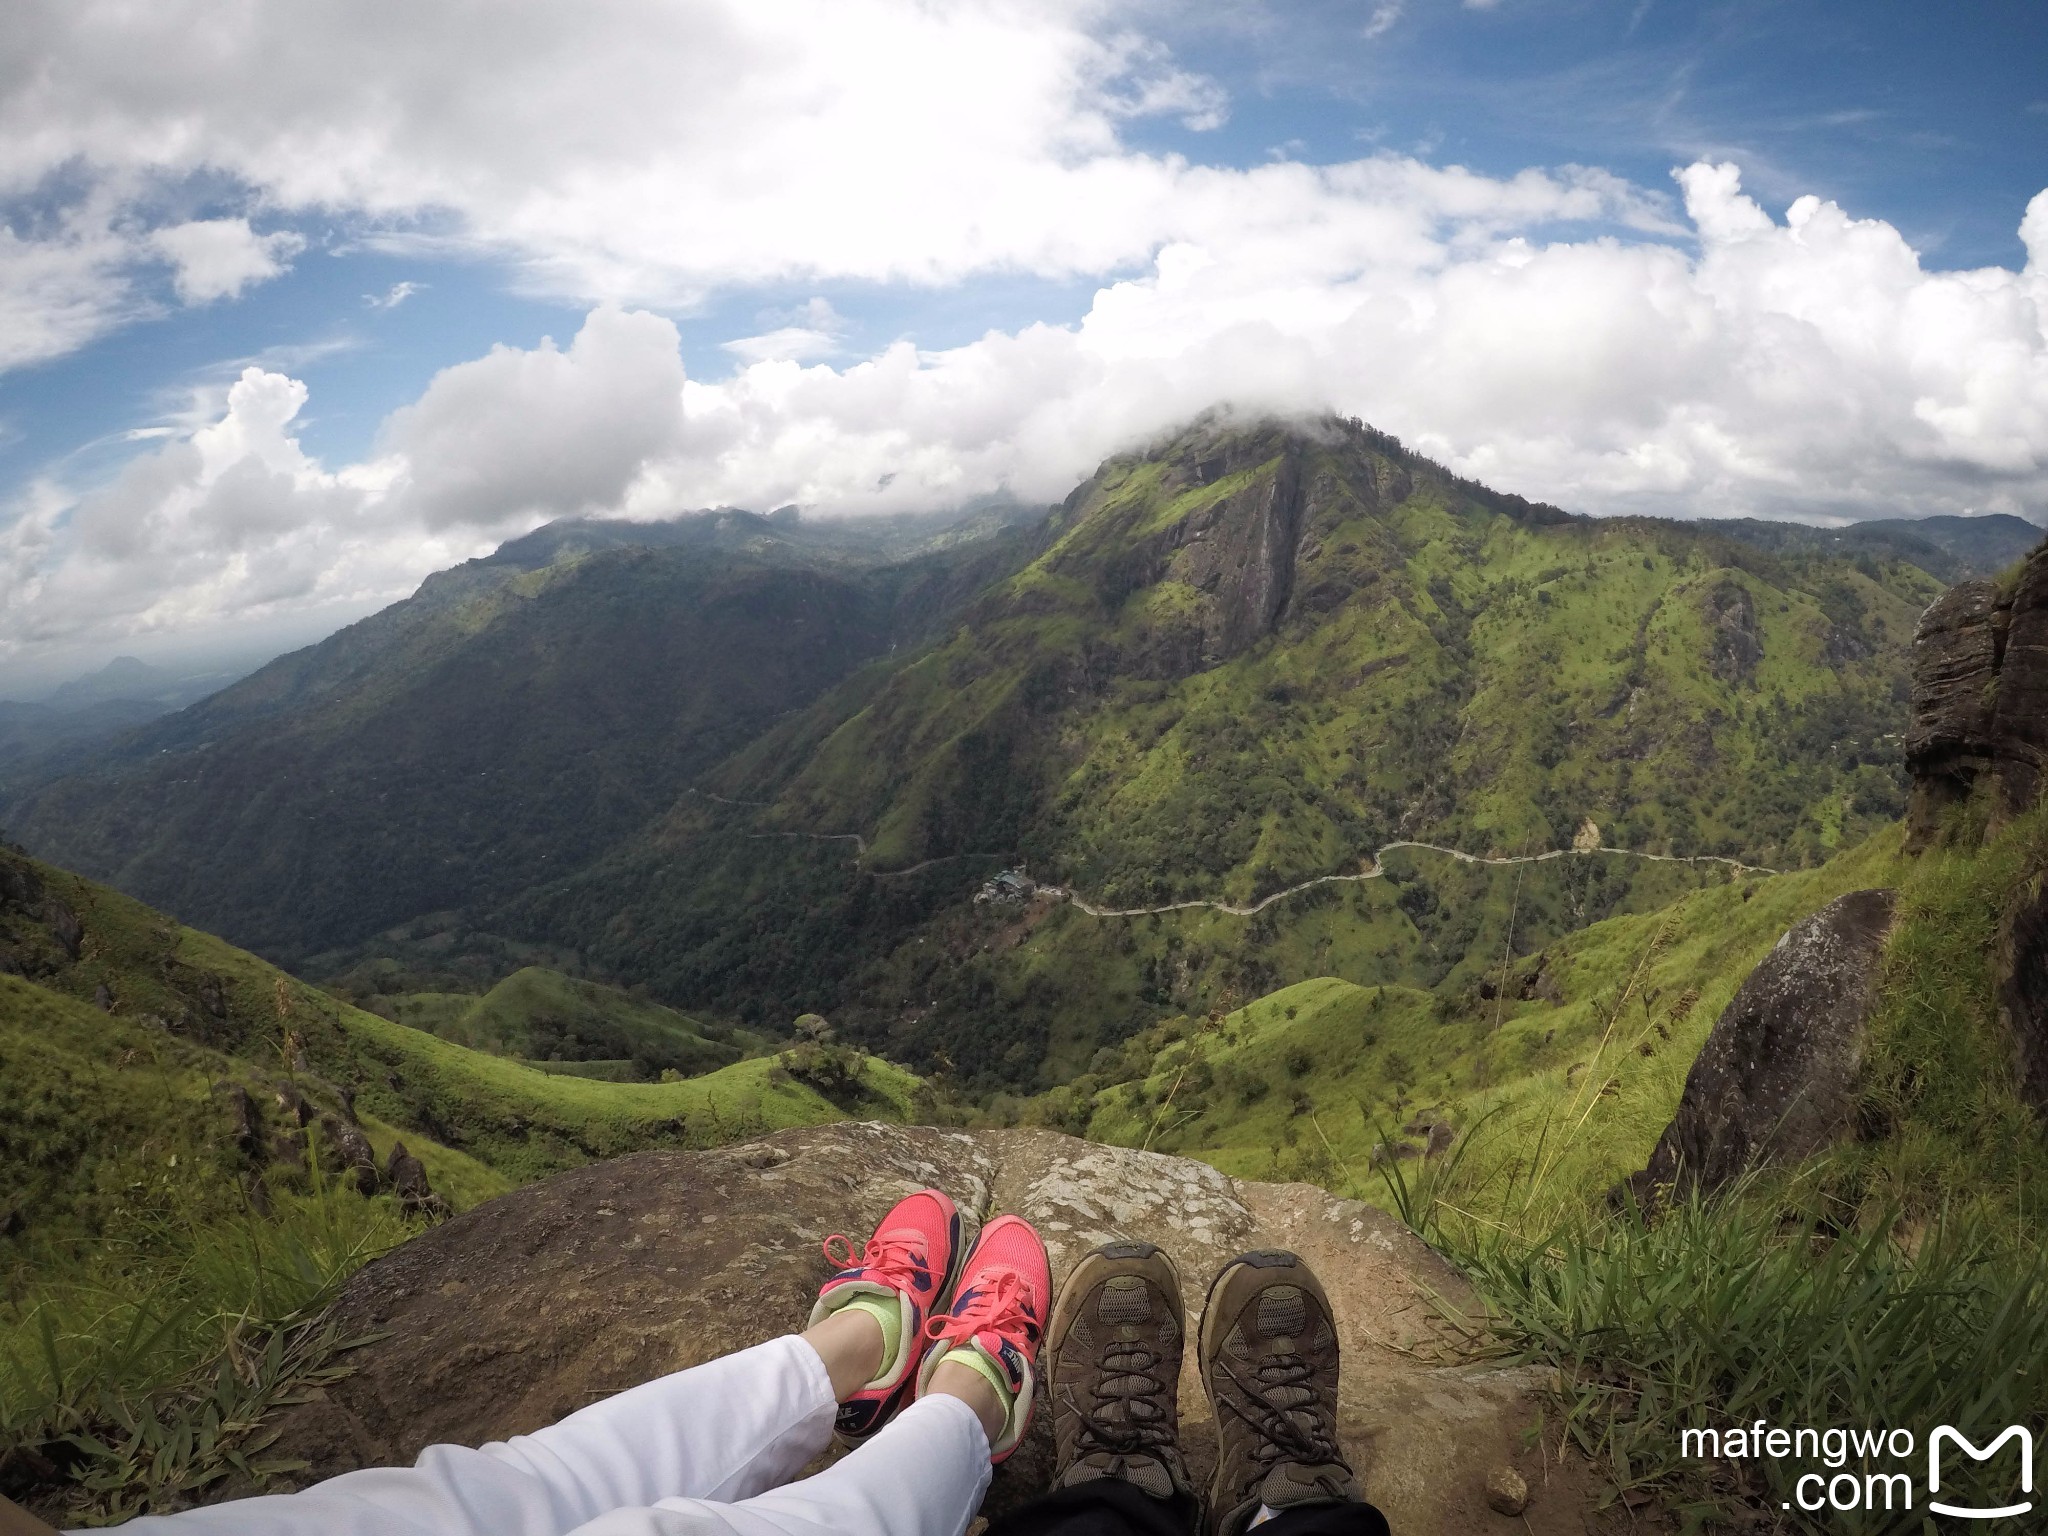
(1373, 871)
(1377, 872)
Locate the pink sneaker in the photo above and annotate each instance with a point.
(996, 1321)
(906, 1266)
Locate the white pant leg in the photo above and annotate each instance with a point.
(922, 1475)
(726, 1429)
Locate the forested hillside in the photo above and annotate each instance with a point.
(1247, 658)
(762, 765)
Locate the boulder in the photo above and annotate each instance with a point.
(1980, 698)
(2023, 993)
(1956, 652)
(65, 927)
(2020, 725)
(407, 1176)
(1777, 1079)
(350, 1150)
(523, 1309)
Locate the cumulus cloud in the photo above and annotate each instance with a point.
(217, 258)
(1806, 368)
(542, 433)
(231, 518)
(1803, 366)
(633, 151)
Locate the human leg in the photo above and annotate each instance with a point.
(722, 1431)
(925, 1471)
(864, 1337)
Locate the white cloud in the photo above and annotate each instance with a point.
(217, 258)
(1804, 367)
(394, 296)
(519, 435)
(627, 150)
(230, 519)
(63, 284)
(1383, 17)
(815, 330)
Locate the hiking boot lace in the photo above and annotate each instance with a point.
(1281, 1399)
(1127, 1382)
(895, 1258)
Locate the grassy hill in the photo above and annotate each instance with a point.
(566, 1024)
(1247, 658)
(1558, 1070)
(176, 1200)
(1571, 1069)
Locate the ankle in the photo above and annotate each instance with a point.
(850, 1344)
(951, 1378)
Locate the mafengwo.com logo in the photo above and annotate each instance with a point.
(1861, 1472)
(1943, 1434)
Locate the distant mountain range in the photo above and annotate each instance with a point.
(123, 694)
(761, 764)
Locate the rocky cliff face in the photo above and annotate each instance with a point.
(1980, 697)
(1776, 1081)
(1980, 717)
(523, 1309)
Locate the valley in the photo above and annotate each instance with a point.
(1279, 801)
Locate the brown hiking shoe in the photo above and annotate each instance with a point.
(1269, 1363)
(1114, 1347)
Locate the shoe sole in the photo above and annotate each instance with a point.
(963, 1244)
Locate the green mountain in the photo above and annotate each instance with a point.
(1248, 658)
(565, 1024)
(1947, 547)
(197, 1150)
(516, 717)
(762, 767)
(118, 1022)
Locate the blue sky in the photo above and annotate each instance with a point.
(903, 260)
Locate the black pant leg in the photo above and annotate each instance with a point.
(1326, 1520)
(1107, 1506)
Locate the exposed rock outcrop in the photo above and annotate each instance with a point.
(1980, 698)
(2023, 995)
(1777, 1078)
(1734, 642)
(1239, 553)
(407, 1176)
(351, 1150)
(530, 1305)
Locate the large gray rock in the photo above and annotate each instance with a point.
(1980, 698)
(520, 1311)
(2023, 994)
(1956, 651)
(1777, 1079)
(2020, 728)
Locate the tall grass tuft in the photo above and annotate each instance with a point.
(140, 1377)
(1757, 1307)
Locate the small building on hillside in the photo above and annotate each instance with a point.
(1010, 887)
